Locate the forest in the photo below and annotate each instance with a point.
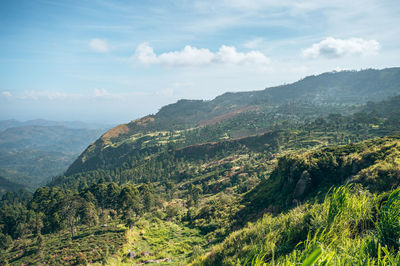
(257, 181)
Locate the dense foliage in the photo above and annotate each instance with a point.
(300, 173)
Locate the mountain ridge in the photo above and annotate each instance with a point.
(9, 123)
(353, 88)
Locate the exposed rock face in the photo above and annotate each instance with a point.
(302, 185)
(115, 132)
(291, 172)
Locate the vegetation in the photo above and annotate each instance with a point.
(345, 229)
(90, 244)
(155, 240)
(34, 151)
(6, 185)
(249, 178)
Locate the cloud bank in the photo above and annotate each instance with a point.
(192, 56)
(99, 45)
(95, 94)
(335, 48)
(6, 94)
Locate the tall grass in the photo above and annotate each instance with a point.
(389, 223)
(343, 230)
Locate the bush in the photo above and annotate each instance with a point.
(81, 259)
(5, 241)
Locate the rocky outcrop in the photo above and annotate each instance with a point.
(302, 185)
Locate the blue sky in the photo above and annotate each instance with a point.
(115, 61)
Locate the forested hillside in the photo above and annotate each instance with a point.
(301, 173)
(6, 185)
(241, 114)
(34, 151)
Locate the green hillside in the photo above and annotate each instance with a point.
(349, 224)
(6, 185)
(241, 114)
(47, 138)
(239, 180)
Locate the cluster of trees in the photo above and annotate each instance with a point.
(51, 209)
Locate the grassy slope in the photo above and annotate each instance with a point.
(89, 245)
(348, 225)
(373, 163)
(155, 241)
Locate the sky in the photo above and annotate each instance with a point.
(115, 61)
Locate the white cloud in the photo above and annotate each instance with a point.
(145, 54)
(289, 7)
(6, 94)
(189, 56)
(335, 48)
(229, 55)
(100, 93)
(168, 92)
(50, 95)
(96, 94)
(192, 56)
(258, 4)
(253, 44)
(99, 45)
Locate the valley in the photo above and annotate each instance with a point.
(34, 151)
(301, 173)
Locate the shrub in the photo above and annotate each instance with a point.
(5, 241)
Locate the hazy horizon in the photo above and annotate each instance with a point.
(119, 121)
(115, 61)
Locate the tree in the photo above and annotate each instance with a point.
(112, 195)
(193, 194)
(128, 200)
(87, 213)
(39, 242)
(169, 188)
(38, 223)
(5, 241)
(196, 191)
(100, 193)
(69, 208)
(148, 196)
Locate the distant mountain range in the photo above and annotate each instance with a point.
(4, 124)
(32, 152)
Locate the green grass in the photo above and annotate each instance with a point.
(154, 239)
(389, 222)
(89, 245)
(343, 230)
